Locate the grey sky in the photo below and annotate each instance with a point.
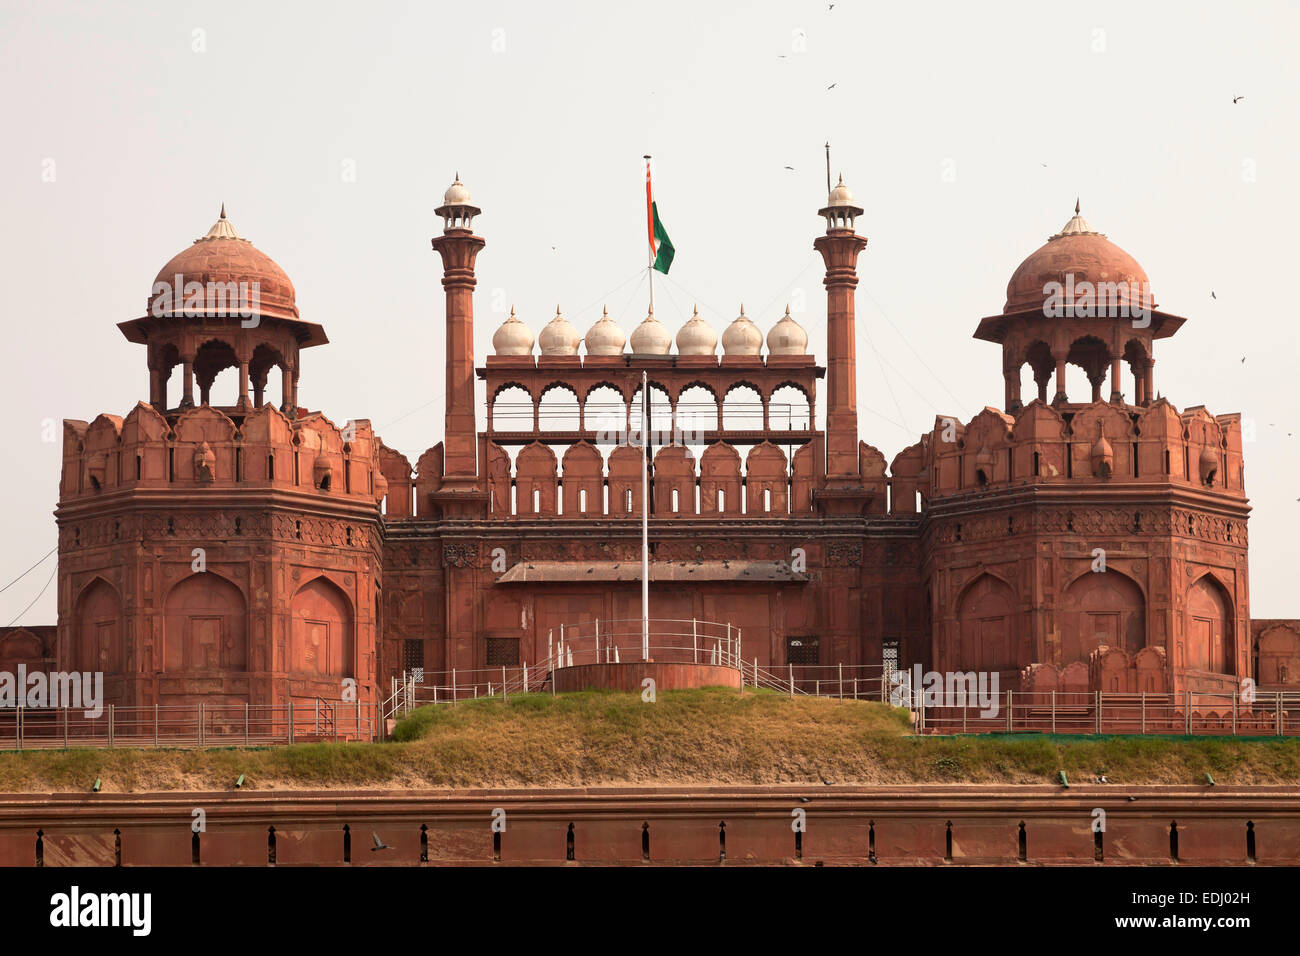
(966, 131)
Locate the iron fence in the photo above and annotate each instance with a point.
(199, 725)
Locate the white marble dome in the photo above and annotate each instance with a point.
(841, 195)
(651, 337)
(696, 337)
(605, 337)
(787, 337)
(742, 337)
(513, 337)
(559, 337)
(457, 194)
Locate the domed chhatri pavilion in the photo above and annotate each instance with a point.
(327, 556)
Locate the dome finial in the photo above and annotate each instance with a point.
(223, 210)
(1076, 205)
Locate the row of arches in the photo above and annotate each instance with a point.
(596, 481)
(694, 409)
(1106, 608)
(1094, 361)
(217, 360)
(205, 629)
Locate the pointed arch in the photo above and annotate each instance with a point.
(205, 625)
(1211, 644)
(1102, 608)
(322, 641)
(97, 640)
(987, 635)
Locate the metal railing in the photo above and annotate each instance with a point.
(1268, 713)
(204, 724)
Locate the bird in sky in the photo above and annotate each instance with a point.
(789, 167)
(1212, 295)
(1236, 98)
(832, 86)
(379, 844)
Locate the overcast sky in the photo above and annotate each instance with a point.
(332, 130)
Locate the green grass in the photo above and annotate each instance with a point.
(704, 737)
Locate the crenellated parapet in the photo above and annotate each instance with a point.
(202, 448)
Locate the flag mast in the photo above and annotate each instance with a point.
(645, 437)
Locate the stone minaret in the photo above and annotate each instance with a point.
(840, 248)
(459, 247)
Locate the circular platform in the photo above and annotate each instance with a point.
(667, 675)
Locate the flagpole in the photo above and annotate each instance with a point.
(645, 433)
(645, 519)
(650, 246)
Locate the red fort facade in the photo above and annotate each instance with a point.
(225, 548)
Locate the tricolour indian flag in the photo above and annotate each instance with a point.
(661, 247)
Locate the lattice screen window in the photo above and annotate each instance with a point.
(502, 650)
(801, 651)
(413, 656)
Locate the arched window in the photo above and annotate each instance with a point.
(322, 638)
(205, 626)
(558, 410)
(512, 410)
(742, 409)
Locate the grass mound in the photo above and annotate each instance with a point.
(714, 736)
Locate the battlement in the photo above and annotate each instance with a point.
(1100, 443)
(203, 447)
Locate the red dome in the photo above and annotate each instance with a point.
(222, 257)
(1079, 252)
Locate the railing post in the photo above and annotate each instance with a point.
(200, 723)
(504, 693)
(1143, 726)
(316, 718)
(1278, 708)
(1053, 712)
(155, 723)
(728, 640)
(1187, 712)
(65, 728)
(1099, 703)
(841, 680)
(245, 723)
(755, 670)
(1234, 713)
(525, 677)
(1009, 712)
(18, 725)
(290, 720)
(855, 688)
(358, 717)
(791, 667)
(695, 642)
(453, 685)
(110, 725)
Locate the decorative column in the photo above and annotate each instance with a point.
(458, 247)
(840, 248)
(1116, 395)
(286, 389)
(1011, 379)
(1148, 392)
(187, 381)
(1060, 378)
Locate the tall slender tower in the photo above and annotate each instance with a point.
(840, 248)
(459, 247)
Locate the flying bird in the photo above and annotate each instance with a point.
(789, 167)
(1236, 98)
(832, 86)
(1212, 295)
(379, 844)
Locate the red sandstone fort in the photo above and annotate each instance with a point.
(327, 555)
